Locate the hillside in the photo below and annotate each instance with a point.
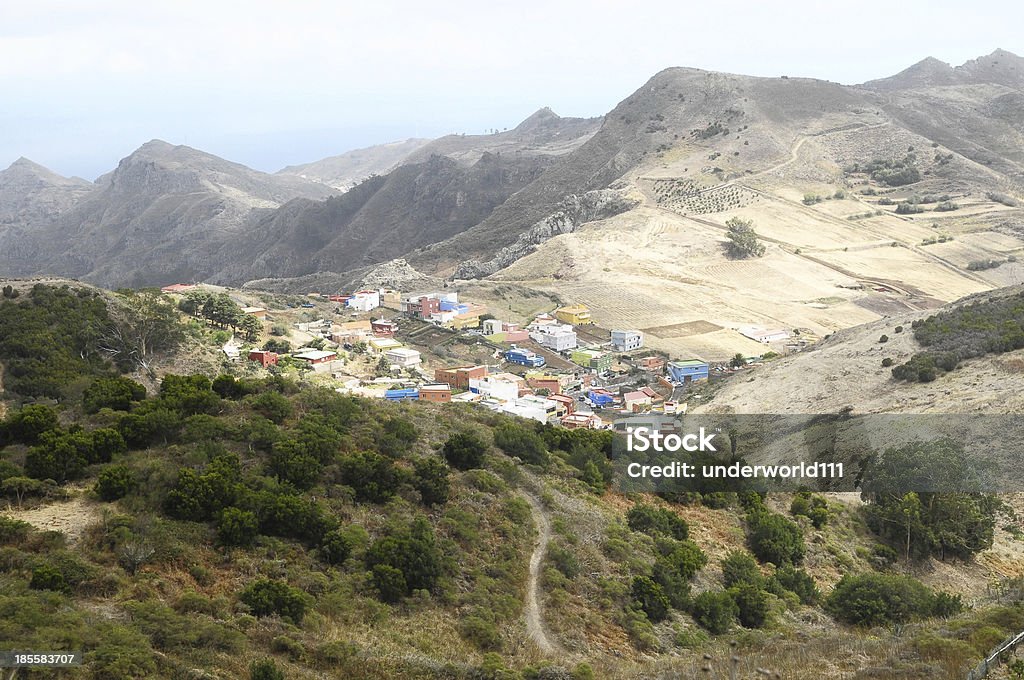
(346, 170)
(257, 521)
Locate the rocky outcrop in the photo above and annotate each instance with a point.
(574, 211)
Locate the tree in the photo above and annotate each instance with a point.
(374, 477)
(291, 462)
(20, 488)
(143, 326)
(390, 583)
(799, 582)
(250, 327)
(522, 442)
(277, 346)
(335, 547)
(28, 424)
(737, 361)
(878, 599)
(743, 240)
(654, 521)
(413, 551)
(464, 451)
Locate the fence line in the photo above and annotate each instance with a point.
(995, 657)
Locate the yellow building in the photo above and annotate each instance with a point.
(577, 315)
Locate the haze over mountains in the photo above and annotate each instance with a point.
(551, 203)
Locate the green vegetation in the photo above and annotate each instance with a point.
(743, 240)
(990, 327)
(890, 172)
(881, 599)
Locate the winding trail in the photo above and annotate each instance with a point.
(532, 611)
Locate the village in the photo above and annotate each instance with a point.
(560, 368)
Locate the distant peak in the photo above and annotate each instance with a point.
(25, 166)
(540, 117)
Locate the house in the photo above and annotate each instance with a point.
(318, 326)
(263, 357)
(351, 333)
(440, 393)
(582, 421)
(257, 312)
(403, 357)
(384, 328)
(543, 320)
(592, 359)
(459, 376)
(531, 406)
(690, 370)
(653, 363)
(636, 401)
(422, 306)
(655, 397)
(231, 352)
(364, 300)
(467, 316)
(381, 345)
(178, 288)
(627, 341)
(544, 381)
(524, 357)
(564, 405)
(558, 337)
(575, 315)
(763, 336)
(492, 326)
(314, 357)
(500, 386)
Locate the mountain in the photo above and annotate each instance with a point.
(552, 204)
(346, 170)
(31, 198)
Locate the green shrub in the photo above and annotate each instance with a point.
(48, 577)
(116, 393)
(799, 582)
(481, 631)
(811, 506)
(265, 669)
(654, 521)
(431, 480)
(775, 539)
(336, 546)
(237, 527)
(115, 482)
(521, 441)
(714, 611)
(880, 599)
(739, 568)
(412, 551)
(751, 605)
(266, 597)
(650, 598)
(390, 583)
(464, 451)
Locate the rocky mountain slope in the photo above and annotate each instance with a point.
(346, 170)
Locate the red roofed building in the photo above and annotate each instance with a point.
(263, 357)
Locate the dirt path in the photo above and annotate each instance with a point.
(532, 611)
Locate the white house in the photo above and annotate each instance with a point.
(559, 337)
(763, 336)
(531, 406)
(496, 387)
(403, 357)
(627, 341)
(364, 300)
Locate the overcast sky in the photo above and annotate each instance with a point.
(275, 83)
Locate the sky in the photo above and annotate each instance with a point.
(274, 83)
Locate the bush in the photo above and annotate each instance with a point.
(887, 362)
(115, 482)
(481, 631)
(431, 480)
(521, 441)
(374, 477)
(714, 611)
(116, 393)
(799, 582)
(266, 597)
(739, 568)
(775, 539)
(48, 577)
(650, 598)
(13, 531)
(879, 599)
(883, 339)
(265, 669)
(654, 521)
(412, 550)
(335, 547)
(464, 451)
(743, 240)
(751, 605)
(390, 583)
(811, 506)
(237, 527)
(28, 424)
